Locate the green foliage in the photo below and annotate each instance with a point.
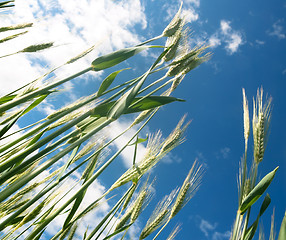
(71, 140)
(30, 203)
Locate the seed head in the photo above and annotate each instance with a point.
(245, 117)
(188, 189)
(188, 61)
(175, 24)
(138, 205)
(176, 82)
(143, 115)
(147, 162)
(260, 125)
(173, 44)
(159, 216)
(176, 137)
(174, 233)
(129, 196)
(37, 47)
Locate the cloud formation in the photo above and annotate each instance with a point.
(206, 227)
(277, 30)
(208, 230)
(224, 153)
(189, 10)
(227, 36)
(73, 27)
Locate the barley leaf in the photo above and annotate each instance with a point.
(5, 4)
(117, 231)
(257, 191)
(90, 123)
(81, 195)
(36, 138)
(18, 115)
(152, 102)
(252, 229)
(7, 98)
(146, 103)
(139, 140)
(108, 81)
(68, 162)
(14, 221)
(39, 235)
(114, 58)
(282, 233)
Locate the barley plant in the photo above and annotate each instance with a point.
(250, 189)
(36, 167)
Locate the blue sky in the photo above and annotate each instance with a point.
(248, 42)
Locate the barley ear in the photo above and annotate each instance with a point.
(245, 118)
(175, 24)
(174, 232)
(188, 189)
(260, 125)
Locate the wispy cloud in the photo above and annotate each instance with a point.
(259, 42)
(73, 27)
(210, 232)
(223, 153)
(194, 2)
(189, 10)
(277, 30)
(221, 236)
(190, 15)
(227, 36)
(206, 227)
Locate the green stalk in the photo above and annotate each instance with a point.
(236, 226)
(149, 94)
(35, 146)
(25, 179)
(162, 228)
(41, 91)
(44, 191)
(150, 40)
(22, 129)
(84, 186)
(18, 169)
(114, 209)
(245, 224)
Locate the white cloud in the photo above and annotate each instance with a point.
(278, 30)
(231, 39)
(214, 41)
(225, 26)
(74, 27)
(190, 15)
(206, 227)
(189, 10)
(234, 41)
(209, 231)
(221, 236)
(225, 152)
(259, 42)
(194, 2)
